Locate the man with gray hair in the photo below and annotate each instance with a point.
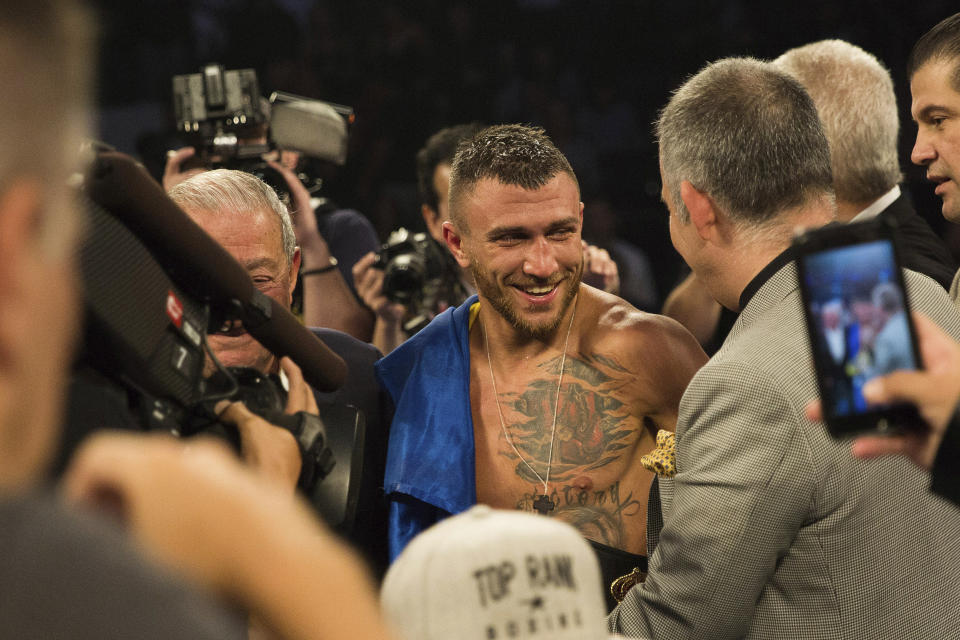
(244, 214)
(769, 527)
(890, 350)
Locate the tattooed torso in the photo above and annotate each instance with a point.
(596, 482)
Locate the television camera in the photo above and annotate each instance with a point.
(220, 113)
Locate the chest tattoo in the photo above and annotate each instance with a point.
(594, 425)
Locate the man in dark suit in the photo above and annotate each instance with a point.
(935, 87)
(769, 527)
(933, 69)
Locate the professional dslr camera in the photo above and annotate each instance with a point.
(419, 273)
(221, 114)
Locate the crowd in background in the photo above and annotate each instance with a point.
(594, 74)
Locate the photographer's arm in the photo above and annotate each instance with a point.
(327, 299)
(196, 509)
(388, 331)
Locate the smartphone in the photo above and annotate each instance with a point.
(858, 321)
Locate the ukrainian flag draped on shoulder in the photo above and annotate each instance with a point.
(430, 457)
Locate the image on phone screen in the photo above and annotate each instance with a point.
(859, 321)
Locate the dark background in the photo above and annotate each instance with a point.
(594, 73)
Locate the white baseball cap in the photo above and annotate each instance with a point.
(488, 574)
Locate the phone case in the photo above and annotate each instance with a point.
(858, 321)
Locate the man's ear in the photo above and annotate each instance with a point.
(703, 212)
(20, 212)
(454, 242)
(294, 271)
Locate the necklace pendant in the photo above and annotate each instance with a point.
(543, 505)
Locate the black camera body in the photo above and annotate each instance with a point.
(221, 108)
(410, 262)
(418, 273)
(220, 113)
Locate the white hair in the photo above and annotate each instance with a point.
(854, 97)
(834, 305)
(235, 192)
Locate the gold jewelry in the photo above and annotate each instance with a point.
(543, 504)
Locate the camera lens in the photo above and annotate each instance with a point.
(404, 277)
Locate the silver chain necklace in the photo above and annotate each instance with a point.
(542, 504)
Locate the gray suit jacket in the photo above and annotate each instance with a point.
(771, 529)
(955, 289)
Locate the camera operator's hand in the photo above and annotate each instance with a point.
(299, 394)
(934, 390)
(196, 509)
(599, 269)
(173, 172)
(269, 450)
(388, 328)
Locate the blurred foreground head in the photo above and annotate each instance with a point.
(45, 71)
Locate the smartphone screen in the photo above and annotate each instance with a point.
(859, 324)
